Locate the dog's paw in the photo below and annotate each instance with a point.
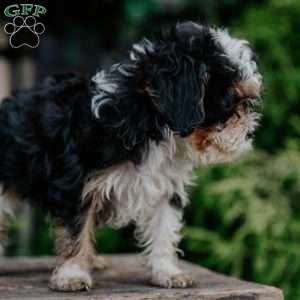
(167, 280)
(70, 278)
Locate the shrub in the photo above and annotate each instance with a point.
(245, 220)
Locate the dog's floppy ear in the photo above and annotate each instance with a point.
(179, 86)
(176, 75)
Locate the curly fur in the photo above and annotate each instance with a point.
(122, 147)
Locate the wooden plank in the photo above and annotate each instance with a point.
(124, 279)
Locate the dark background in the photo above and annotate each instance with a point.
(244, 218)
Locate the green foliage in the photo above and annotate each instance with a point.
(139, 11)
(245, 220)
(273, 30)
(116, 241)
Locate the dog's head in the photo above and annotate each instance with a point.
(199, 81)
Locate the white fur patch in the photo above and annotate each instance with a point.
(240, 55)
(136, 190)
(104, 85)
(143, 47)
(159, 234)
(69, 272)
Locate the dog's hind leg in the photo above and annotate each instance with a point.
(8, 204)
(76, 255)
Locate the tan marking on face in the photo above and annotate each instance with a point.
(248, 89)
(205, 138)
(200, 138)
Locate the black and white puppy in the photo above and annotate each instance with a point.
(122, 148)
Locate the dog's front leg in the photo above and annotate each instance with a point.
(76, 256)
(159, 232)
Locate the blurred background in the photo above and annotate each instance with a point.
(244, 218)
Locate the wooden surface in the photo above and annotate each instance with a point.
(125, 278)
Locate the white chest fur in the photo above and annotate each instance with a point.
(135, 190)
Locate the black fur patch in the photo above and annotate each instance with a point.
(182, 79)
(176, 201)
(51, 141)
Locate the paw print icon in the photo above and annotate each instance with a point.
(24, 32)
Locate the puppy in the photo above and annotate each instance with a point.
(122, 147)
